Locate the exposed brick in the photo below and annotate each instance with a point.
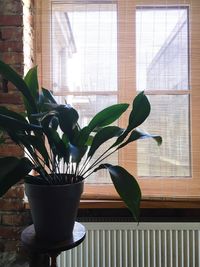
(15, 192)
(8, 232)
(13, 98)
(11, 150)
(12, 210)
(10, 87)
(11, 20)
(19, 219)
(12, 57)
(16, 108)
(9, 245)
(11, 7)
(11, 46)
(11, 33)
(11, 204)
(19, 68)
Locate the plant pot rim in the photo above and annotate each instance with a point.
(54, 185)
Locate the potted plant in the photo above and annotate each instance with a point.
(49, 133)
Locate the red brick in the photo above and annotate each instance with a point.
(11, 20)
(10, 98)
(15, 192)
(9, 232)
(11, 204)
(11, 150)
(16, 108)
(11, 33)
(11, 87)
(11, 46)
(12, 57)
(15, 219)
(10, 7)
(9, 245)
(19, 68)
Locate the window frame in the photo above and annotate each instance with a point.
(156, 191)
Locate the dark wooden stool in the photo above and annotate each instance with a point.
(30, 242)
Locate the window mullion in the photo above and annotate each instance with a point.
(127, 72)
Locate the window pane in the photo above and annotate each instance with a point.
(162, 48)
(84, 46)
(172, 158)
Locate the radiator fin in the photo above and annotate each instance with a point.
(132, 245)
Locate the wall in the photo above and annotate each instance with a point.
(13, 216)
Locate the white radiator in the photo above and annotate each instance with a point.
(111, 244)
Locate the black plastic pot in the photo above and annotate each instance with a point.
(54, 209)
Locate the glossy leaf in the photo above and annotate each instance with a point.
(31, 79)
(9, 123)
(68, 118)
(126, 186)
(12, 76)
(104, 135)
(12, 170)
(48, 97)
(77, 153)
(140, 111)
(138, 134)
(107, 116)
(82, 137)
(38, 144)
(102, 119)
(12, 114)
(56, 144)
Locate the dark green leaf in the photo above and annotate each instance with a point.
(126, 186)
(12, 114)
(31, 79)
(138, 134)
(12, 76)
(12, 124)
(12, 170)
(54, 123)
(104, 135)
(83, 136)
(68, 118)
(57, 145)
(101, 119)
(38, 144)
(140, 111)
(107, 116)
(48, 96)
(77, 153)
(67, 148)
(90, 140)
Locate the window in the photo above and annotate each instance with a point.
(162, 52)
(95, 53)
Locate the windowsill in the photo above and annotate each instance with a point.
(145, 204)
(105, 197)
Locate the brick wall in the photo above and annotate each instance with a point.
(13, 216)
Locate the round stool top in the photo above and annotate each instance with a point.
(29, 240)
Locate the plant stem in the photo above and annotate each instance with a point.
(97, 160)
(84, 165)
(100, 159)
